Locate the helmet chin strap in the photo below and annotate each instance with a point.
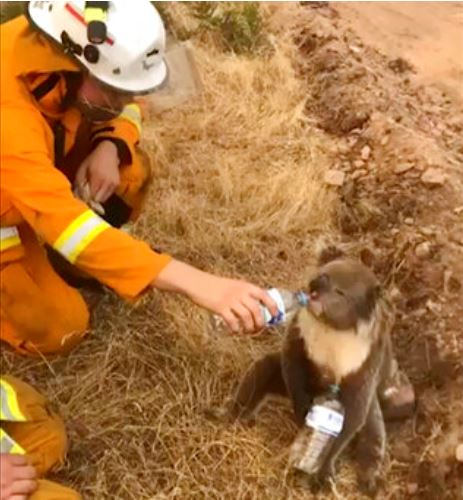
(95, 113)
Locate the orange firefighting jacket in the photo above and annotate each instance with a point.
(36, 193)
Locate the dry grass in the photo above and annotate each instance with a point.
(237, 190)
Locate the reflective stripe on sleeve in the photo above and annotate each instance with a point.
(9, 406)
(132, 113)
(79, 234)
(9, 445)
(9, 237)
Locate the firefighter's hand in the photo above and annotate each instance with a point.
(101, 170)
(237, 302)
(17, 477)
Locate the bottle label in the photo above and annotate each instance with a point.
(280, 317)
(325, 420)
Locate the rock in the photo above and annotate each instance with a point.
(434, 307)
(427, 231)
(459, 452)
(451, 284)
(334, 177)
(403, 167)
(409, 221)
(433, 177)
(358, 163)
(365, 153)
(355, 49)
(358, 173)
(423, 250)
(412, 488)
(458, 210)
(384, 140)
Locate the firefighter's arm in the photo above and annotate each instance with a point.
(43, 196)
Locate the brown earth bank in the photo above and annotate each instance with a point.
(337, 133)
(400, 147)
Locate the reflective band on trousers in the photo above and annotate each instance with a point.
(9, 445)
(9, 237)
(79, 234)
(9, 407)
(132, 113)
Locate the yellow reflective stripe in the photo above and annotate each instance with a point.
(9, 237)
(9, 445)
(9, 406)
(79, 234)
(132, 113)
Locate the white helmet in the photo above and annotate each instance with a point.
(121, 43)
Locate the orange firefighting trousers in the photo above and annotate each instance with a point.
(39, 312)
(43, 438)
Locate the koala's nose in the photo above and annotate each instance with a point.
(320, 284)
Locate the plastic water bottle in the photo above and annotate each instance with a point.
(287, 303)
(324, 422)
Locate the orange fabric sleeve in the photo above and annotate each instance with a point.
(44, 198)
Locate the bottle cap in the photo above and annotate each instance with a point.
(302, 298)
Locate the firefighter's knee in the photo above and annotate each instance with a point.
(55, 327)
(67, 329)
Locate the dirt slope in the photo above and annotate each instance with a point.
(428, 33)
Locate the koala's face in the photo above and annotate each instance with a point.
(343, 293)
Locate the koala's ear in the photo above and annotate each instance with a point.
(329, 254)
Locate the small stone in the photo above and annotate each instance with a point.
(384, 140)
(409, 221)
(459, 452)
(434, 307)
(433, 177)
(335, 177)
(358, 173)
(423, 250)
(395, 293)
(412, 488)
(427, 231)
(458, 210)
(403, 167)
(365, 153)
(355, 49)
(358, 163)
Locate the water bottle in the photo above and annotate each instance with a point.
(287, 303)
(323, 424)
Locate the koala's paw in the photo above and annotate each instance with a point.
(370, 482)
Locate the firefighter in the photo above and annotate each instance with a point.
(69, 124)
